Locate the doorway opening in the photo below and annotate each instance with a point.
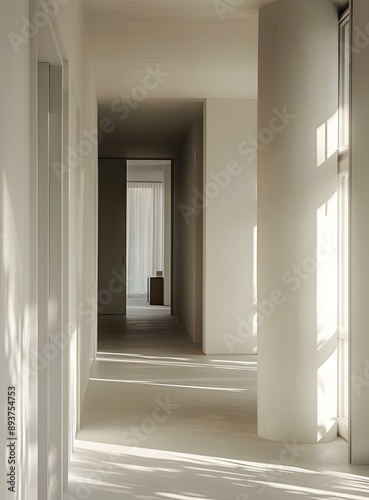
(135, 257)
(148, 242)
(172, 278)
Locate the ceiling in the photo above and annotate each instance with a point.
(203, 55)
(154, 129)
(200, 52)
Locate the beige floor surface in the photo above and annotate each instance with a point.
(163, 421)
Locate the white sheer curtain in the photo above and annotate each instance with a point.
(145, 216)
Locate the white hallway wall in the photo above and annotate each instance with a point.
(18, 229)
(18, 328)
(80, 175)
(83, 183)
(229, 226)
(187, 231)
(359, 339)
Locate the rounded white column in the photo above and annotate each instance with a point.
(297, 221)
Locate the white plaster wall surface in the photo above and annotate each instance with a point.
(229, 227)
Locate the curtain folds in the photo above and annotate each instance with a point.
(145, 235)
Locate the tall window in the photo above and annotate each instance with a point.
(344, 82)
(343, 180)
(343, 299)
(145, 240)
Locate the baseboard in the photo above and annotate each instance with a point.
(342, 427)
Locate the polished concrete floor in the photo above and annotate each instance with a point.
(163, 421)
